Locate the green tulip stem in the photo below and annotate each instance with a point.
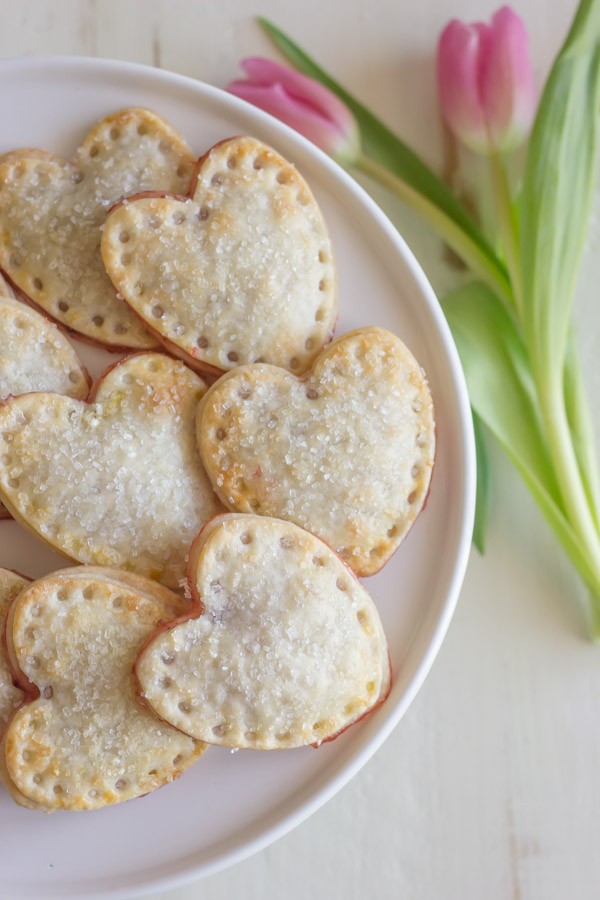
(449, 231)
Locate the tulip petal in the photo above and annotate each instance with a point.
(458, 60)
(262, 71)
(274, 99)
(507, 83)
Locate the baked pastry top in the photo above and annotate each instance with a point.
(284, 646)
(346, 453)
(52, 212)
(241, 270)
(81, 740)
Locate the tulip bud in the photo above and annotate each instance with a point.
(302, 103)
(486, 84)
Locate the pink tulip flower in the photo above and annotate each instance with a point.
(302, 103)
(486, 84)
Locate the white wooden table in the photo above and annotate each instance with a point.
(489, 786)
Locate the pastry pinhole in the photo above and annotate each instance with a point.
(415, 471)
(121, 784)
(94, 151)
(139, 288)
(245, 392)
(16, 261)
(421, 439)
(185, 706)
(165, 682)
(38, 284)
(154, 222)
(323, 256)
(220, 434)
(157, 311)
(37, 778)
(203, 214)
(77, 177)
(232, 356)
(120, 328)
(254, 505)
(177, 759)
(311, 393)
(258, 163)
(309, 344)
(36, 611)
(217, 178)
(115, 134)
(151, 366)
(153, 772)
(232, 161)
(181, 171)
(73, 377)
(118, 602)
(283, 177)
(62, 595)
(164, 146)
(246, 538)
(6, 459)
(318, 561)
(13, 482)
(20, 324)
(33, 662)
(98, 321)
(220, 730)
(286, 542)
(27, 755)
(250, 736)
(7, 437)
(322, 284)
(93, 793)
(303, 198)
(178, 218)
(412, 497)
(341, 584)
(320, 314)
(127, 378)
(142, 129)
(47, 692)
(202, 342)
(88, 593)
(294, 362)
(168, 659)
(63, 306)
(283, 736)
(124, 236)
(393, 531)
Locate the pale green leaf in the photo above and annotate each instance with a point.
(484, 486)
(557, 191)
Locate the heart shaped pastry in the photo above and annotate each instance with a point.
(345, 453)
(52, 212)
(81, 740)
(283, 646)
(34, 355)
(116, 480)
(243, 269)
(11, 585)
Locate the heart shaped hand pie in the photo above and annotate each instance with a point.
(52, 211)
(81, 740)
(240, 271)
(34, 355)
(345, 453)
(10, 696)
(116, 480)
(283, 648)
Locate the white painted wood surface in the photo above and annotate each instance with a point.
(489, 786)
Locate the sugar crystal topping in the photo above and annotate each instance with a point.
(116, 482)
(87, 741)
(10, 696)
(242, 270)
(288, 650)
(52, 212)
(346, 453)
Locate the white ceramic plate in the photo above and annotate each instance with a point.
(232, 804)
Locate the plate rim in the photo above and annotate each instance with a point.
(319, 796)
